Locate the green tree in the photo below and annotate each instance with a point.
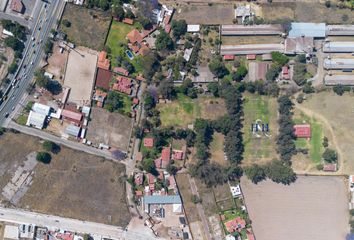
(255, 173)
(118, 12)
(179, 28)
(279, 58)
(217, 67)
(13, 67)
(273, 72)
(164, 41)
(149, 166)
(280, 172)
(240, 73)
(325, 142)
(330, 155)
(300, 73)
(301, 58)
(214, 88)
(48, 47)
(44, 157)
(50, 146)
(66, 23)
(339, 89)
(114, 101)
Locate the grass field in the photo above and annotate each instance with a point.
(184, 110)
(217, 150)
(117, 42)
(315, 143)
(259, 149)
(75, 184)
(88, 28)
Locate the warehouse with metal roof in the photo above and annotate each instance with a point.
(247, 30)
(340, 30)
(297, 45)
(331, 80)
(316, 30)
(338, 47)
(36, 120)
(41, 108)
(251, 49)
(338, 63)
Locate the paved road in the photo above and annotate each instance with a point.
(71, 144)
(200, 209)
(46, 16)
(54, 222)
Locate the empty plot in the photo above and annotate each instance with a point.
(80, 75)
(112, 129)
(311, 208)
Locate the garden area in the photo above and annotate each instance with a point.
(184, 110)
(117, 43)
(259, 147)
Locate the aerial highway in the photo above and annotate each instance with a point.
(46, 17)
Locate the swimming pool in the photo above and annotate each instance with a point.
(129, 54)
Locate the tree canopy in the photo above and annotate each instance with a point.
(44, 157)
(217, 67)
(179, 28)
(164, 41)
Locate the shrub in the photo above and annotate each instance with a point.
(44, 157)
(51, 147)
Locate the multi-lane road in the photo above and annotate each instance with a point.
(45, 18)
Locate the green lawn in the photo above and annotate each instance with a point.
(179, 112)
(127, 103)
(22, 119)
(261, 147)
(117, 42)
(315, 143)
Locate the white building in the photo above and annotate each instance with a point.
(235, 191)
(41, 108)
(193, 28)
(27, 231)
(11, 232)
(36, 120)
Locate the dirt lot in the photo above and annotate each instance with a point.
(57, 63)
(74, 184)
(311, 208)
(335, 113)
(109, 128)
(217, 150)
(88, 27)
(80, 75)
(239, 40)
(202, 13)
(306, 12)
(9, 54)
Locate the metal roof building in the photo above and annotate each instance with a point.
(41, 108)
(331, 80)
(338, 47)
(316, 30)
(244, 30)
(36, 120)
(11, 232)
(338, 63)
(251, 49)
(162, 199)
(340, 30)
(296, 45)
(193, 28)
(73, 130)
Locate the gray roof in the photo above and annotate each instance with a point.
(339, 79)
(338, 63)
(36, 119)
(251, 49)
(338, 47)
(169, 199)
(308, 29)
(73, 130)
(340, 30)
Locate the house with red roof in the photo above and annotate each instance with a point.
(177, 154)
(99, 96)
(165, 156)
(103, 77)
(121, 70)
(228, 57)
(236, 224)
(302, 131)
(138, 157)
(285, 73)
(148, 142)
(251, 56)
(330, 167)
(123, 85)
(151, 182)
(17, 6)
(128, 21)
(134, 37)
(167, 28)
(103, 62)
(71, 116)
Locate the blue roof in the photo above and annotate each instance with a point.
(169, 199)
(308, 30)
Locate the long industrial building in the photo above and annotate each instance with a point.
(339, 63)
(251, 49)
(338, 47)
(339, 79)
(340, 30)
(250, 30)
(316, 30)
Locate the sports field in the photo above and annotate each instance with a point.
(259, 147)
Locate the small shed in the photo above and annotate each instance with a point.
(73, 130)
(302, 131)
(193, 28)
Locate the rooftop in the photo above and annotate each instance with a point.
(166, 199)
(103, 78)
(316, 30)
(302, 130)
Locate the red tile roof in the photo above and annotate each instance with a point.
(158, 163)
(103, 78)
(251, 56)
(148, 142)
(168, 28)
(177, 154)
(138, 193)
(161, 175)
(123, 85)
(285, 73)
(151, 178)
(144, 50)
(17, 6)
(229, 57)
(134, 36)
(103, 62)
(235, 224)
(121, 70)
(330, 167)
(140, 78)
(167, 19)
(166, 154)
(138, 157)
(128, 21)
(72, 116)
(135, 101)
(302, 131)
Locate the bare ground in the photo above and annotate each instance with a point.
(311, 208)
